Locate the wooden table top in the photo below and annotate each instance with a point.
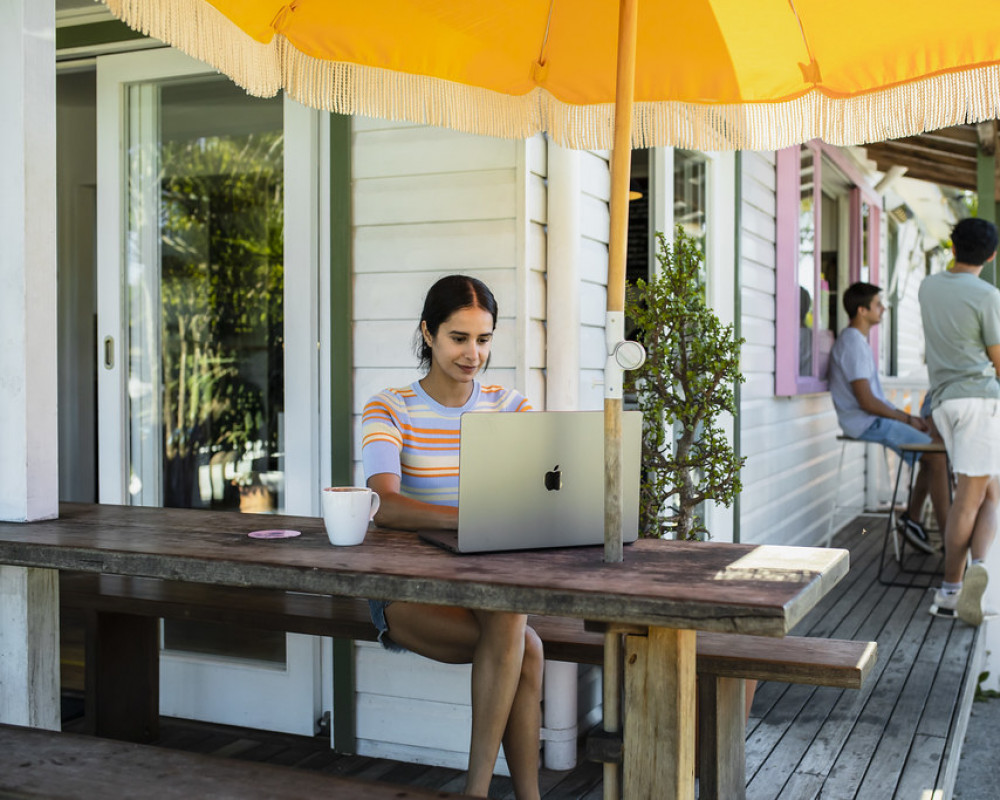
(741, 588)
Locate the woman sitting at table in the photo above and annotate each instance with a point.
(410, 444)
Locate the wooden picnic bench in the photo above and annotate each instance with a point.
(38, 763)
(121, 656)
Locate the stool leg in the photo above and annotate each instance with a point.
(889, 528)
(836, 499)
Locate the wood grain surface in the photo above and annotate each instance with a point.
(737, 588)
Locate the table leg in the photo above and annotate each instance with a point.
(122, 698)
(29, 647)
(660, 725)
(722, 738)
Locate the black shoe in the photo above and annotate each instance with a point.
(915, 534)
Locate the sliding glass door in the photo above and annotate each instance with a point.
(201, 338)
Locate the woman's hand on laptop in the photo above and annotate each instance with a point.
(404, 513)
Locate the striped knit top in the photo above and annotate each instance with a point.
(407, 433)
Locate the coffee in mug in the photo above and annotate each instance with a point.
(347, 510)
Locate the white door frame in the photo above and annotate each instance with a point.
(201, 687)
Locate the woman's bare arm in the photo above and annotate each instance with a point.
(397, 511)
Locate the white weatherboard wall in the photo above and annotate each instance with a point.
(910, 269)
(790, 443)
(430, 202)
(595, 229)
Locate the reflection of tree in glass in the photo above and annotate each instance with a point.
(221, 209)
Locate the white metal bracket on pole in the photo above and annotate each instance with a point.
(622, 354)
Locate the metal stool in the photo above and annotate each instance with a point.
(890, 527)
(846, 440)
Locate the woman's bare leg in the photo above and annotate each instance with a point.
(495, 643)
(521, 737)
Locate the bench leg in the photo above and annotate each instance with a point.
(722, 738)
(122, 677)
(659, 715)
(29, 647)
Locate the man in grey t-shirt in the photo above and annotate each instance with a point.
(864, 412)
(961, 316)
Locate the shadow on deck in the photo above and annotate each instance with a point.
(899, 737)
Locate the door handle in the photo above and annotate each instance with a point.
(109, 352)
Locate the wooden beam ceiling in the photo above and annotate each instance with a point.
(946, 156)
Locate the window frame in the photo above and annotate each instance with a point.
(787, 381)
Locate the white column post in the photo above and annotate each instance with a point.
(562, 392)
(29, 610)
(28, 422)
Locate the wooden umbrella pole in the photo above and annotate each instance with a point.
(621, 167)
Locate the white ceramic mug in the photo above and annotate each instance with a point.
(347, 510)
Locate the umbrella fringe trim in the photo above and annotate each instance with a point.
(263, 69)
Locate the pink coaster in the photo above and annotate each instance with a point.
(275, 534)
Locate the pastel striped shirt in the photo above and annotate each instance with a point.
(405, 432)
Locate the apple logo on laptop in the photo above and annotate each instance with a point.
(553, 479)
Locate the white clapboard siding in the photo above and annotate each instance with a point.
(476, 244)
(790, 443)
(595, 229)
(443, 197)
(911, 270)
(536, 274)
(427, 202)
(532, 269)
(424, 151)
(593, 304)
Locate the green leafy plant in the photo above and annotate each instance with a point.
(982, 694)
(686, 384)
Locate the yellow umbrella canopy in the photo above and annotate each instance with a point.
(710, 74)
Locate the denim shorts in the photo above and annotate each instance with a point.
(376, 608)
(892, 433)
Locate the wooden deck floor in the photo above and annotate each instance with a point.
(899, 737)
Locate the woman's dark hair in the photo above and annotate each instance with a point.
(450, 294)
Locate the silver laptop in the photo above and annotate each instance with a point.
(536, 480)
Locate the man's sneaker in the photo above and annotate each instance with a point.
(915, 534)
(944, 605)
(970, 599)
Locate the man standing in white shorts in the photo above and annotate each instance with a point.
(961, 316)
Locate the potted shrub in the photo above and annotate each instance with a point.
(686, 384)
